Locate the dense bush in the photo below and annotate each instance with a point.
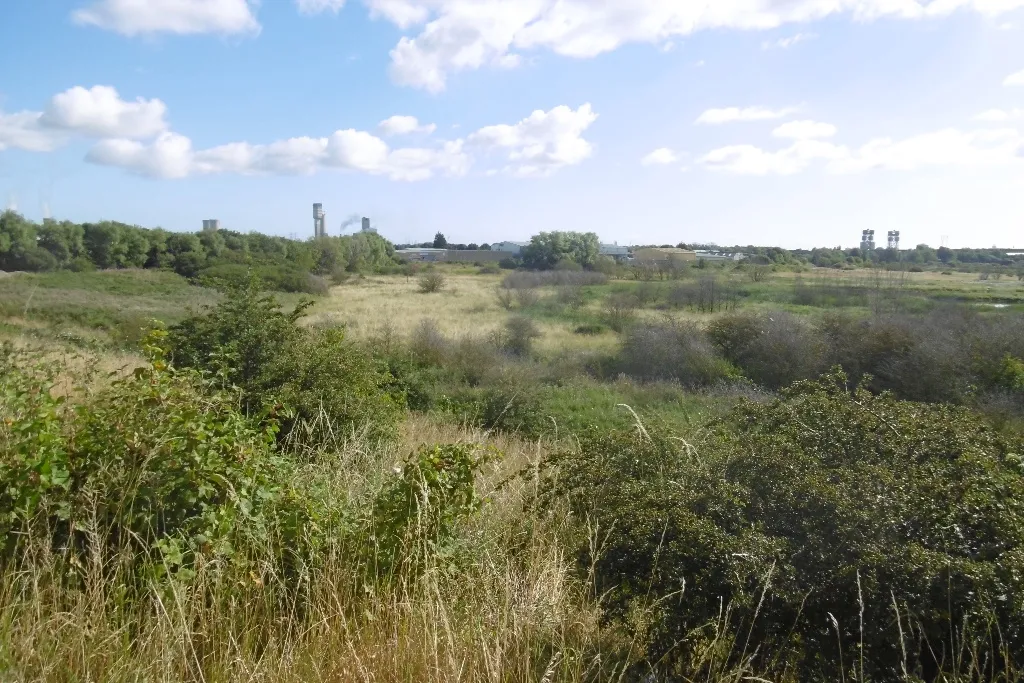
(160, 461)
(276, 278)
(811, 524)
(680, 352)
(772, 349)
(249, 342)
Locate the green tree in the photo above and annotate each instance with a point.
(439, 241)
(547, 249)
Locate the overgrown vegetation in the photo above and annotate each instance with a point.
(583, 477)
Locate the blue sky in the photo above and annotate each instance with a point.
(789, 122)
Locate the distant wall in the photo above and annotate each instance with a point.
(476, 255)
(654, 254)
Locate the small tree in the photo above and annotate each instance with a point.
(439, 241)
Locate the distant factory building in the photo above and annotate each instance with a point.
(867, 240)
(422, 254)
(720, 255)
(211, 225)
(366, 226)
(613, 250)
(663, 255)
(509, 247)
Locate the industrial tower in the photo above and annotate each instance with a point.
(894, 239)
(867, 240)
(319, 221)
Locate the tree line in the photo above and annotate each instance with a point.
(65, 245)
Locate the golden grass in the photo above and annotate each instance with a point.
(468, 306)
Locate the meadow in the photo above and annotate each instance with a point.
(513, 476)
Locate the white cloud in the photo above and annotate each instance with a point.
(100, 112)
(97, 112)
(1015, 78)
(542, 142)
(134, 17)
(318, 6)
(169, 156)
(458, 35)
(23, 131)
(787, 42)
(948, 147)
(660, 157)
(172, 156)
(1000, 115)
(733, 114)
(804, 130)
(404, 125)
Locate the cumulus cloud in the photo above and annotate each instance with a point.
(172, 156)
(948, 147)
(404, 125)
(318, 6)
(662, 156)
(734, 114)
(169, 156)
(135, 17)
(542, 142)
(1015, 78)
(22, 130)
(1000, 115)
(804, 130)
(458, 35)
(97, 112)
(100, 112)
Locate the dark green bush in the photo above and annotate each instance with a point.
(249, 342)
(815, 523)
(161, 462)
(278, 278)
(517, 335)
(416, 512)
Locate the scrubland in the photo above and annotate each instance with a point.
(514, 477)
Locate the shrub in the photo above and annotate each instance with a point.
(506, 298)
(772, 349)
(490, 269)
(818, 521)
(417, 511)
(161, 462)
(620, 311)
(432, 282)
(571, 296)
(680, 352)
(517, 335)
(249, 342)
(527, 296)
(508, 263)
(589, 329)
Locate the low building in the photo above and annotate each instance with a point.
(422, 254)
(663, 255)
(720, 255)
(513, 248)
(613, 250)
(475, 255)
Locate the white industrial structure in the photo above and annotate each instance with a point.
(894, 239)
(867, 240)
(509, 247)
(319, 221)
(211, 225)
(613, 250)
(367, 227)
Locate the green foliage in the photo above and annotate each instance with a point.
(517, 336)
(547, 249)
(680, 352)
(417, 511)
(432, 282)
(252, 344)
(160, 460)
(897, 524)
